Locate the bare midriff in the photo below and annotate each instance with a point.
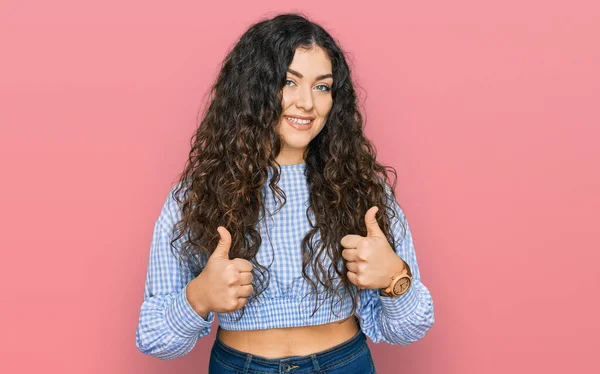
(290, 341)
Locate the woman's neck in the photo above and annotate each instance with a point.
(289, 158)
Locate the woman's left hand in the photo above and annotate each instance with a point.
(371, 261)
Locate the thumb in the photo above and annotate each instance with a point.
(222, 249)
(371, 223)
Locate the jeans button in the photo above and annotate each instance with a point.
(287, 367)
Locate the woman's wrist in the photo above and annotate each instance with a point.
(196, 303)
(398, 267)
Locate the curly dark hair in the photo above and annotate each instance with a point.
(235, 146)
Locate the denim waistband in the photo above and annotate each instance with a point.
(322, 360)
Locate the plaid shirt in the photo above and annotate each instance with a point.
(168, 326)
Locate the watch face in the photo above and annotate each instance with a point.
(401, 286)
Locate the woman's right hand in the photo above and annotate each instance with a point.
(224, 285)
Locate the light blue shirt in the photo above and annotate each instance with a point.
(168, 326)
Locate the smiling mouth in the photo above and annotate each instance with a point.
(298, 121)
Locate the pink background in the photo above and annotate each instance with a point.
(489, 112)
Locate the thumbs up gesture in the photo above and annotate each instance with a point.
(371, 261)
(223, 285)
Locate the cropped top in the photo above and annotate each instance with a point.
(168, 326)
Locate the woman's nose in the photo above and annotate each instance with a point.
(304, 99)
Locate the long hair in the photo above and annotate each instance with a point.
(236, 143)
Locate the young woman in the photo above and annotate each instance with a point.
(283, 223)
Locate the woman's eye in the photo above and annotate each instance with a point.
(321, 87)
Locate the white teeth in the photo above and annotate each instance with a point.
(298, 121)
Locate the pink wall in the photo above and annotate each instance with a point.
(489, 112)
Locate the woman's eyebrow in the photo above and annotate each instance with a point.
(301, 76)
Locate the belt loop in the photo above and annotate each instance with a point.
(247, 365)
(315, 362)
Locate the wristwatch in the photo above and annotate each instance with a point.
(400, 283)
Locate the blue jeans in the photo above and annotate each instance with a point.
(349, 357)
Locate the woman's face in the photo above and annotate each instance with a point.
(306, 103)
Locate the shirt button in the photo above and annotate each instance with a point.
(287, 367)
